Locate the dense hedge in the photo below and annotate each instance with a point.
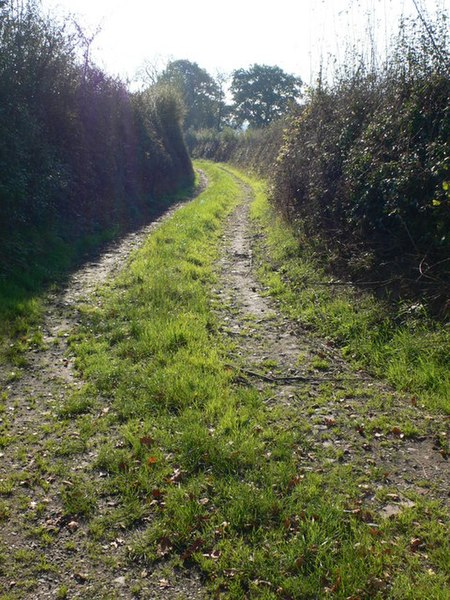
(254, 149)
(78, 152)
(364, 168)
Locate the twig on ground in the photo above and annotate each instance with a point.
(289, 378)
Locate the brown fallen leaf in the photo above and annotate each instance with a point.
(81, 577)
(337, 584)
(123, 466)
(214, 554)
(176, 476)
(152, 460)
(397, 432)
(73, 526)
(164, 547)
(390, 510)
(374, 532)
(192, 548)
(415, 544)
(146, 440)
(230, 573)
(221, 529)
(294, 482)
(394, 497)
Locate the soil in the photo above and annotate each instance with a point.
(264, 337)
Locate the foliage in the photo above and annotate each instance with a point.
(201, 94)
(262, 94)
(80, 155)
(406, 346)
(365, 167)
(208, 472)
(253, 149)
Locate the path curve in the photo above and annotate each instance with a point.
(289, 366)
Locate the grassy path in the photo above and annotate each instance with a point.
(207, 445)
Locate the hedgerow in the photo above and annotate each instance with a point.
(364, 169)
(254, 149)
(79, 153)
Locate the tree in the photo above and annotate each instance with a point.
(201, 95)
(262, 94)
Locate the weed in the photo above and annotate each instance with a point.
(63, 592)
(5, 511)
(320, 364)
(78, 403)
(6, 487)
(79, 497)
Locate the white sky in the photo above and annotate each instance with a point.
(293, 34)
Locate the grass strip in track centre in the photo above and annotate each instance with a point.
(205, 475)
(406, 347)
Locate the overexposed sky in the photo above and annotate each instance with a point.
(296, 35)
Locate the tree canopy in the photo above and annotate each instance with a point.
(262, 94)
(201, 94)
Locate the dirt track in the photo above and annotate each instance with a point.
(266, 337)
(33, 403)
(272, 353)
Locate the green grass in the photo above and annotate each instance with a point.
(21, 293)
(202, 471)
(409, 350)
(47, 261)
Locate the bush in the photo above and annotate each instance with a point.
(254, 149)
(365, 168)
(79, 153)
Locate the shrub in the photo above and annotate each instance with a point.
(254, 149)
(365, 168)
(79, 153)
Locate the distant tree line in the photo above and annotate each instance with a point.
(78, 152)
(257, 96)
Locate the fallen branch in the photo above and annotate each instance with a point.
(289, 378)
